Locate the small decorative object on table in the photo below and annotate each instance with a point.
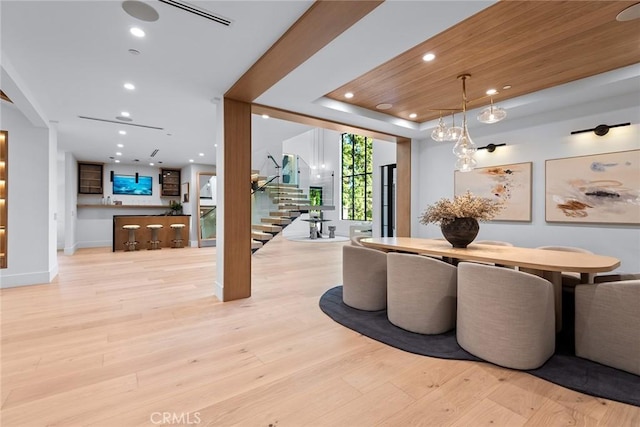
(176, 208)
(458, 218)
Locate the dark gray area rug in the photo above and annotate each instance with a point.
(563, 368)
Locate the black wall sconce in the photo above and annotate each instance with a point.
(160, 178)
(111, 176)
(491, 147)
(600, 130)
(136, 177)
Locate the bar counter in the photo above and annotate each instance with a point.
(143, 234)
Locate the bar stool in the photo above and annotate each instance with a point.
(130, 244)
(154, 243)
(177, 236)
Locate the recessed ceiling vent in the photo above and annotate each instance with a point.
(120, 123)
(154, 152)
(198, 11)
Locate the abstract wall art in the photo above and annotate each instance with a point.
(507, 184)
(600, 188)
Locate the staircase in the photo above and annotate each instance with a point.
(285, 202)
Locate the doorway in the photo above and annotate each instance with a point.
(388, 200)
(207, 209)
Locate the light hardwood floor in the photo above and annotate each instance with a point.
(123, 339)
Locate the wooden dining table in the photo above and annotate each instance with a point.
(546, 263)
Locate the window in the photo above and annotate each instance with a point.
(357, 177)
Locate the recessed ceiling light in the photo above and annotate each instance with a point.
(120, 145)
(492, 92)
(215, 145)
(413, 115)
(200, 154)
(383, 106)
(118, 154)
(129, 86)
(125, 114)
(265, 116)
(122, 132)
(117, 161)
(190, 160)
(505, 87)
(140, 10)
(137, 32)
(429, 57)
(629, 14)
(151, 164)
(348, 95)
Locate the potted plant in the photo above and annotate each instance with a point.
(458, 218)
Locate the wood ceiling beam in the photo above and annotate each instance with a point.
(317, 27)
(292, 116)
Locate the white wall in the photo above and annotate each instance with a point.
(60, 200)
(29, 212)
(433, 176)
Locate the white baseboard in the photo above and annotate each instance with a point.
(218, 291)
(26, 279)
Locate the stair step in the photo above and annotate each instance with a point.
(269, 228)
(275, 220)
(291, 206)
(261, 235)
(292, 190)
(290, 200)
(256, 244)
(285, 213)
(288, 195)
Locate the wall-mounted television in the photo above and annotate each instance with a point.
(127, 185)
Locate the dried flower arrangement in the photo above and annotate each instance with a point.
(467, 205)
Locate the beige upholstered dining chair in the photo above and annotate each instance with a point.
(493, 242)
(505, 317)
(607, 319)
(421, 293)
(364, 278)
(570, 280)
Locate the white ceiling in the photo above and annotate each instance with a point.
(70, 59)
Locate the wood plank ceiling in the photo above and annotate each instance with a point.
(530, 45)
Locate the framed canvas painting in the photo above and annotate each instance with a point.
(508, 184)
(600, 188)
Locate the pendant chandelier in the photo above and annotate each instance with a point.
(454, 132)
(492, 114)
(441, 132)
(465, 148)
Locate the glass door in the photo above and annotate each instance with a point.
(207, 205)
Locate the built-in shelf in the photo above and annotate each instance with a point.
(90, 178)
(125, 206)
(4, 213)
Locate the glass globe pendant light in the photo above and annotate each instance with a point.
(440, 132)
(466, 164)
(492, 114)
(465, 147)
(454, 131)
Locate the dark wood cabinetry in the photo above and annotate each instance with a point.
(4, 185)
(170, 182)
(90, 178)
